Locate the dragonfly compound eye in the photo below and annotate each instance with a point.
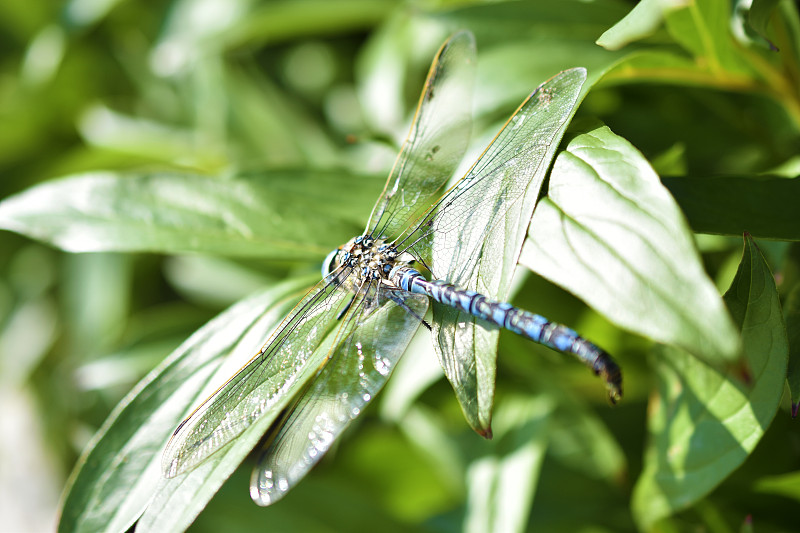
(328, 265)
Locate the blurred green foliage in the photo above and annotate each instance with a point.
(176, 122)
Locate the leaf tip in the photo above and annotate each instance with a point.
(742, 370)
(747, 525)
(486, 432)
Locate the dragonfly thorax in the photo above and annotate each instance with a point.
(365, 259)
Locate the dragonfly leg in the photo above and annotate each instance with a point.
(396, 298)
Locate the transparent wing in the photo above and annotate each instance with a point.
(451, 238)
(264, 386)
(358, 369)
(436, 143)
(292, 357)
(473, 235)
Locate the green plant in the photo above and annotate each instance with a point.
(221, 128)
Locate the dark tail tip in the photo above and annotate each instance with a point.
(612, 376)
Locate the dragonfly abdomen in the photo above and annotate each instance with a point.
(530, 325)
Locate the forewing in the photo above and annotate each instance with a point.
(473, 237)
(436, 142)
(358, 369)
(264, 386)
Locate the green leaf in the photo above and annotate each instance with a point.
(792, 315)
(643, 20)
(763, 207)
(581, 441)
(705, 421)
(273, 127)
(703, 29)
(102, 127)
(176, 502)
(391, 55)
(115, 479)
(787, 485)
(415, 373)
(499, 86)
(248, 215)
(502, 483)
(656, 64)
(611, 234)
(281, 21)
(759, 15)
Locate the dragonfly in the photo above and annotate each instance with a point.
(333, 353)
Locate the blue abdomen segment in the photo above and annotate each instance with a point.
(535, 327)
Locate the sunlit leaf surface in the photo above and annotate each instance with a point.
(705, 421)
(121, 471)
(246, 215)
(502, 484)
(610, 233)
